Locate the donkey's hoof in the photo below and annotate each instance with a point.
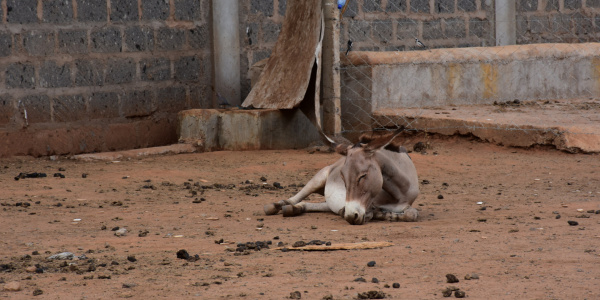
(291, 211)
(271, 209)
(411, 214)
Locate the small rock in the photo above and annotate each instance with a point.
(459, 294)
(129, 285)
(13, 286)
(440, 197)
(419, 147)
(296, 294)
(299, 244)
(447, 292)
(371, 263)
(183, 254)
(573, 223)
(131, 258)
(471, 276)
(37, 292)
(557, 217)
(121, 232)
(451, 278)
(372, 295)
(396, 285)
(263, 179)
(30, 269)
(374, 280)
(62, 256)
(360, 279)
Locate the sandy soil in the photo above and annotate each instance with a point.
(518, 242)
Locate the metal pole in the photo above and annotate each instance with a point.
(330, 75)
(227, 50)
(506, 22)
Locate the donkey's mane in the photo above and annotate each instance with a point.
(394, 146)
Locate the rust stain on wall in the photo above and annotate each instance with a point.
(454, 74)
(489, 74)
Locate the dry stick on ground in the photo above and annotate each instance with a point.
(342, 246)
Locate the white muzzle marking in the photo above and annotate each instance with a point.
(354, 213)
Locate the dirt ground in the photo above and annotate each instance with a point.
(496, 213)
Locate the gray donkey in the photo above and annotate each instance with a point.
(375, 180)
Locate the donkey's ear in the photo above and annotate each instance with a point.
(342, 148)
(382, 142)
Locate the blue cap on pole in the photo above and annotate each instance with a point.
(341, 3)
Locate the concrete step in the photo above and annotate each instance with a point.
(570, 125)
(236, 129)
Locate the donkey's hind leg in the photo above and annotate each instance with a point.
(315, 185)
(410, 214)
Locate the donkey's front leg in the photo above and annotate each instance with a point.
(410, 214)
(315, 185)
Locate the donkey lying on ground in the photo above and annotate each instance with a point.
(373, 181)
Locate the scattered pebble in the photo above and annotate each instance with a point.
(372, 295)
(374, 280)
(396, 285)
(573, 223)
(131, 258)
(360, 279)
(129, 285)
(451, 278)
(62, 256)
(371, 263)
(295, 295)
(13, 286)
(37, 292)
(447, 292)
(183, 254)
(121, 232)
(471, 276)
(459, 294)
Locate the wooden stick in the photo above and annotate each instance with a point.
(342, 246)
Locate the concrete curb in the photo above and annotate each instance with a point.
(129, 154)
(562, 124)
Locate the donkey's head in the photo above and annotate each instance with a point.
(362, 176)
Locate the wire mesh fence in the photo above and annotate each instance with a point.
(420, 63)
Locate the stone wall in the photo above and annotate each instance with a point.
(98, 75)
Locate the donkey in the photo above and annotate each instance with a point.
(373, 181)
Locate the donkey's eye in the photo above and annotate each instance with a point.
(363, 176)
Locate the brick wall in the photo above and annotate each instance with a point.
(99, 75)
(558, 21)
(260, 24)
(393, 25)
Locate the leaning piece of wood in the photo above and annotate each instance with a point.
(342, 246)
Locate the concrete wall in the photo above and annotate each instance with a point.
(97, 75)
(448, 77)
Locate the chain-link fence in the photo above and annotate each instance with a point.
(422, 63)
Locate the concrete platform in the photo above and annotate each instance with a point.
(235, 129)
(569, 125)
